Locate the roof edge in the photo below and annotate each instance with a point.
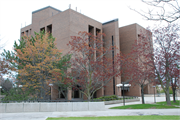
(110, 21)
(45, 8)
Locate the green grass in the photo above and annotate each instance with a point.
(158, 105)
(146, 117)
(172, 103)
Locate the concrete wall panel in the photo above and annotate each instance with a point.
(96, 106)
(14, 107)
(80, 106)
(2, 107)
(48, 107)
(31, 107)
(65, 106)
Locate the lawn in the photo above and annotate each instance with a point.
(158, 105)
(147, 117)
(177, 103)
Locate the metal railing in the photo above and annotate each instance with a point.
(73, 100)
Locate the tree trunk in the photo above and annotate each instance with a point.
(89, 97)
(174, 94)
(66, 94)
(168, 96)
(142, 94)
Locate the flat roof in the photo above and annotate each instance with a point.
(45, 8)
(110, 21)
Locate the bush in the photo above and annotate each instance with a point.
(15, 94)
(107, 98)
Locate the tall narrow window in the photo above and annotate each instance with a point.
(98, 46)
(30, 32)
(91, 44)
(90, 30)
(22, 34)
(49, 28)
(113, 64)
(26, 32)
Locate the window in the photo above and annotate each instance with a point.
(42, 29)
(26, 32)
(49, 29)
(113, 64)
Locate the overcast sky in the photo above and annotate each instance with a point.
(14, 13)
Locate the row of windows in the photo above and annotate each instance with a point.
(28, 32)
(48, 29)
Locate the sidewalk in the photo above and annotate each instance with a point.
(107, 112)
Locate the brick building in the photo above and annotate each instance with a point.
(63, 24)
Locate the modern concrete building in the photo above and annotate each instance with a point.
(64, 24)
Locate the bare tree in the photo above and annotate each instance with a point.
(165, 10)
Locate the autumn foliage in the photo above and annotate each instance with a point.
(37, 64)
(137, 68)
(92, 64)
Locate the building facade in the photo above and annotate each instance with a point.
(64, 24)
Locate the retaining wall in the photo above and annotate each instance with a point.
(51, 107)
(120, 101)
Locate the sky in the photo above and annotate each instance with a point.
(15, 14)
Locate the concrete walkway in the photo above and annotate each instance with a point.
(107, 112)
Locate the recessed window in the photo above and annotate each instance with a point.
(22, 34)
(49, 29)
(42, 29)
(26, 32)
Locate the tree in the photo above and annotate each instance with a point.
(165, 10)
(4, 67)
(165, 56)
(7, 85)
(16, 94)
(60, 76)
(11, 57)
(174, 78)
(136, 68)
(35, 63)
(136, 71)
(92, 65)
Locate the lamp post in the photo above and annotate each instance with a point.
(122, 86)
(0, 89)
(0, 93)
(154, 94)
(50, 88)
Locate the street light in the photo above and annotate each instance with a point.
(0, 93)
(154, 94)
(122, 86)
(0, 89)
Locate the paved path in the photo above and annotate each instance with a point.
(107, 112)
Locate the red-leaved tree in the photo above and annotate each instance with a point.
(167, 56)
(136, 68)
(164, 57)
(92, 65)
